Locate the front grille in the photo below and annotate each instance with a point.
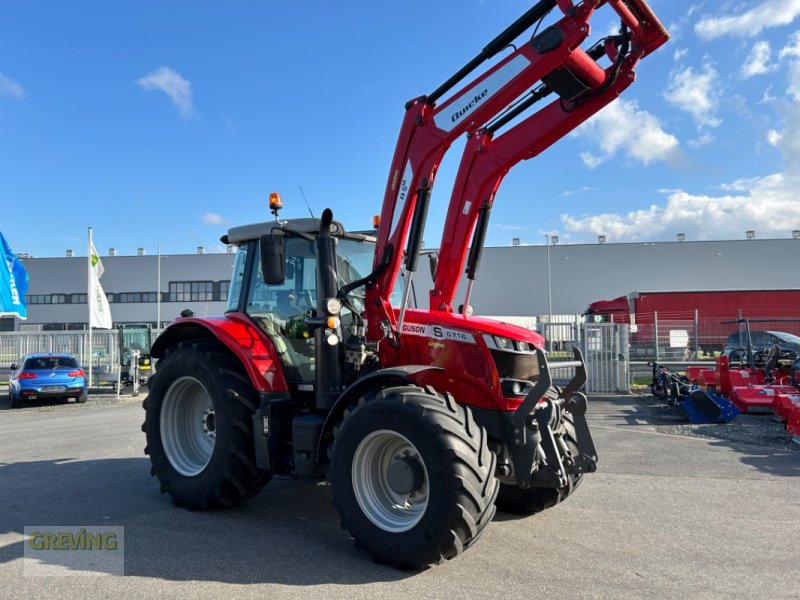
(514, 365)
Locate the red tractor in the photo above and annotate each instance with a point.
(423, 420)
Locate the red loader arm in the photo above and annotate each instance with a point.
(583, 89)
(428, 130)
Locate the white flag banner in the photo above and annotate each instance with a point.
(99, 311)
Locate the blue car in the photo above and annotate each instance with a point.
(46, 376)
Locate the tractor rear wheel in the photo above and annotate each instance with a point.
(412, 476)
(518, 501)
(199, 428)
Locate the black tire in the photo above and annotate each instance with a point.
(515, 500)
(81, 399)
(15, 402)
(230, 475)
(457, 476)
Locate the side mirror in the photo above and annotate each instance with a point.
(273, 259)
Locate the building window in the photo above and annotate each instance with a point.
(191, 291)
(77, 298)
(223, 291)
(59, 298)
(128, 297)
(38, 299)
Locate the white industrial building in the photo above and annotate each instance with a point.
(521, 281)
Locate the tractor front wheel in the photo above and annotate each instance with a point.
(412, 476)
(199, 428)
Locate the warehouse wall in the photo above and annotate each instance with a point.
(512, 280)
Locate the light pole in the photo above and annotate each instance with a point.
(549, 290)
(158, 287)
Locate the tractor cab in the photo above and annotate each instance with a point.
(282, 303)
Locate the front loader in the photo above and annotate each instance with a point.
(423, 420)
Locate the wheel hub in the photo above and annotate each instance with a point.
(210, 423)
(405, 475)
(188, 426)
(390, 481)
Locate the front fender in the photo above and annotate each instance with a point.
(405, 375)
(237, 333)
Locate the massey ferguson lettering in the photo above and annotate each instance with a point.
(438, 332)
(472, 104)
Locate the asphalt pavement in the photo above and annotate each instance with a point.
(664, 517)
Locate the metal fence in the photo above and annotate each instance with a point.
(696, 338)
(608, 348)
(104, 353)
(605, 348)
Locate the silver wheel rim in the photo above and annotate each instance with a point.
(188, 426)
(383, 506)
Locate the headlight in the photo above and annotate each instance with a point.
(504, 343)
(333, 306)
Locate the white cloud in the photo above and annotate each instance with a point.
(746, 203)
(510, 227)
(701, 216)
(592, 161)
(794, 80)
(704, 140)
(173, 85)
(696, 93)
(680, 54)
(212, 218)
(622, 128)
(11, 88)
(770, 13)
(758, 61)
(582, 190)
(792, 49)
(740, 185)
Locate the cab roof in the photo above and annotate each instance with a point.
(245, 233)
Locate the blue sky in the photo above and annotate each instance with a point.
(167, 122)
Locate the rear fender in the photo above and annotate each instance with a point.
(237, 334)
(405, 375)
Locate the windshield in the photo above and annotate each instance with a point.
(237, 278)
(786, 337)
(354, 261)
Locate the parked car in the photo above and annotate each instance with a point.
(762, 340)
(46, 376)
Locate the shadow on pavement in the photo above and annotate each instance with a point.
(289, 534)
(760, 441)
